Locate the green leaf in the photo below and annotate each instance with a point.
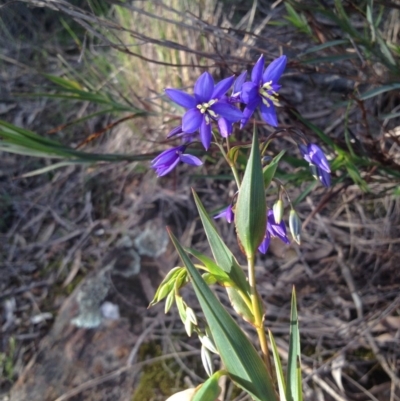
(239, 304)
(211, 267)
(278, 368)
(239, 289)
(167, 285)
(270, 169)
(377, 91)
(233, 154)
(222, 254)
(240, 358)
(251, 209)
(209, 390)
(293, 380)
(354, 174)
(385, 51)
(330, 59)
(325, 45)
(22, 141)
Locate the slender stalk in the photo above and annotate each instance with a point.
(258, 315)
(232, 165)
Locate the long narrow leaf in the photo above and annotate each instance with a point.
(278, 368)
(222, 254)
(240, 358)
(293, 380)
(250, 216)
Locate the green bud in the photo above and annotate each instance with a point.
(181, 308)
(188, 326)
(207, 360)
(191, 316)
(208, 343)
(278, 211)
(169, 301)
(295, 225)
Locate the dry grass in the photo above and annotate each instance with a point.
(55, 229)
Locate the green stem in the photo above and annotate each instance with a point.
(231, 164)
(258, 315)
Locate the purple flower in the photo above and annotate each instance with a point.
(208, 103)
(237, 87)
(319, 165)
(262, 90)
(273, 230)
(178, 132)
(168, 160)
(227, 214)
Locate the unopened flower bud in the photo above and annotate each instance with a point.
(295, 225)
(191, 316)
(207, 360)
(208, 343)
(188, 327)
(278, 211)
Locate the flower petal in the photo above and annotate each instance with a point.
(274, 71)
(192, 120)
(181, 98)
(304, 152)
(167, 156)
(318, 157)
(204, 87)
(205, 134)
(190, 159)
(226, 214)
(228, 111)
(166, 168)
(324, 177)
(268, 114)
(263, 248)
(175, 131)
(248, 112)
(257, 72)
(222, 87)
(225, 127)
(237, 86)
(249, 93)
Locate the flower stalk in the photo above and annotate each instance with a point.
(258, 314)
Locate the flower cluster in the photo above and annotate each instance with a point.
(211, 104)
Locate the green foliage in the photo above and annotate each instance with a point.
(240, 359)
(250, 219)
(7, 359)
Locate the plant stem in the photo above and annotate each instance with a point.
(232, 165)
(258, 315)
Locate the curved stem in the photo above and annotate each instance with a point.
(258, 315)
(230, 163)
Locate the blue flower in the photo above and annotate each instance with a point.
(273, 230)
(319, 165)
(237, 88)
(208, 103)
(226, 214)
(262, 90)
(169, 159)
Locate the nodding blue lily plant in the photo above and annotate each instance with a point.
(210, 116)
